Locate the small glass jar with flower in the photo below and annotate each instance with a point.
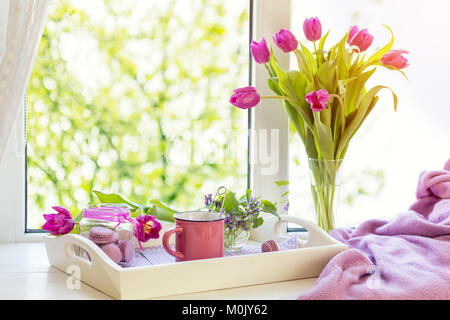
(242, 215)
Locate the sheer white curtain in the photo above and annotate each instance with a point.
(21, 26)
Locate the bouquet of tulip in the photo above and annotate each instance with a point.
(326, 98)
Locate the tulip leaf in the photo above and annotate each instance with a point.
(324, 139)
(360, 114)
(161, 211)
(114, 198)
(292, 84)
(320, 52)
(274, 86)
(303, 64)
(157, 208)
(342, 85)
(355, 90)
(342, 59)
(326, 75)
(292, 112)
(394, 69)
(309, 58)
(295, 118)
(310, 145)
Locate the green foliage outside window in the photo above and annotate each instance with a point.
(117, 92)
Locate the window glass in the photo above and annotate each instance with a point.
(391, 148)
(132, 97)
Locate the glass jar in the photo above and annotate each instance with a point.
(112, 229)
(235, 240)
(236, 233)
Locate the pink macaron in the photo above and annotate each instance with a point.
(127, 250)
(101, 235)
(269, 245)
(113, 251)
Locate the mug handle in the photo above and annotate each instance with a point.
(165, 242)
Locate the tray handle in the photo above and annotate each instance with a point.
(68, 242)
(316, 236)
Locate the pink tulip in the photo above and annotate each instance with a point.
(147, 227)
(318, 99)
(361, 39)
(312, 29)
(58, 223)
(395, 59)
(285, 40)
(260, 51)
(353, 30)
(244, 98)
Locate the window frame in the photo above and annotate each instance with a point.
(266, 17)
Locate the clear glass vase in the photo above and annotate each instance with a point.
(325, 178)
(235, 239)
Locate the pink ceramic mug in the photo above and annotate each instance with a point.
(199, 235)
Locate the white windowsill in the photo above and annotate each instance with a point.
(26, 274)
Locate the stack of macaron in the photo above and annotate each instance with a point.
(120, 248)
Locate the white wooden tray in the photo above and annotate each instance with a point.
(195, 276)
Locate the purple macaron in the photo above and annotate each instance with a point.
(113, 251)
(127, 249)
(101, 235)
(269, 246)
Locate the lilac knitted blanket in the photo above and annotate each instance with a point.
(405, 258)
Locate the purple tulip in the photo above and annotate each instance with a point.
(361, 39)
(147, 227)
(58, 223)
(244, 98)
(395, 59)
(312, 29)
(260, 51)
(318, 99)
(285, 40)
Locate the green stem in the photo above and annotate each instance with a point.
(324, 190)
(280, 97)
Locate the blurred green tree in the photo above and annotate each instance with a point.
(117, 92)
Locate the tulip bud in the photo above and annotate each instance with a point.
(260, 51)
(318, 99)
(285, 40)
(245, 98)
(312, 29)
(395, 59)
(362, 39)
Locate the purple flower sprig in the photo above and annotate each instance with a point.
(242, 213)
(208, 199)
